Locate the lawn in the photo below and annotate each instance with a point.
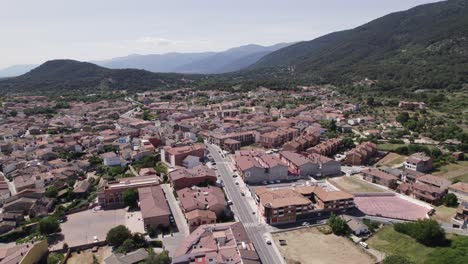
(391, 159)
(458, 170)
(353, 185)
(391, 242)
(444, 213)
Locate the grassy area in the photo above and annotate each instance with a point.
(389, 147)
(391, 242)
(458, 170)
(354, 185)
(444, 213)
(391, 159)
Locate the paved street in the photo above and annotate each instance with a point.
(172, 242)
(244, 209)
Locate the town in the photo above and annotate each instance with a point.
(260, 176)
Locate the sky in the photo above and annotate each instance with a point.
(34, 31)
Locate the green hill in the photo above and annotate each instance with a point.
(69, 75)
(422, 48)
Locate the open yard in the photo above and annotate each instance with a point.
(389, 147)
(82, 227)
(86, 256)
(458, 170)
(443, 213)
(311, 246)
(393, 243)
(391, 159)
(353, 185)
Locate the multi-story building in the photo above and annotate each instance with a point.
(377, 176)
(326, 148)
(460, 220)
(281, 206)
(257, 167)
(430, 188)
(360, 154)
(217, 243)
(198, 199)
(418, 162)
(182, 178)
(175, 156)
(110, 193)
(311, 165)
(301, 143)
(277, 138)
(154, 208)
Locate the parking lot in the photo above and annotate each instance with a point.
(82, 227)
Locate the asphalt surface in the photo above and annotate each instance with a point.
(256, 231)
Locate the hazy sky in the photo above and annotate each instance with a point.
(33, 31)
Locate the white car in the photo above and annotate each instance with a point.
(305, 224)
(267, 241)
(264, 182)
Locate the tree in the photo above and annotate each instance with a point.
(127, 246)
(200, 139)
(51, 192)
(338, 225)
(162, 258)
(55, 258)
(347, 143)
(396, 259)
(450, 200)
(48, 225)
(117, 235)
(130, 197)
(370, 101)
(403, 117)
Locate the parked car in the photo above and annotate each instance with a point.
(242, 193)
(363, 244)
(264, 182)
(234, 175)
(305, 224)
(278, 181)
(271, 182)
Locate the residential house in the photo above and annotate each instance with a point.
(257, 167)
(182, 178)
(174, 156)
(360, 154)
(418, 162)
(460, 189)
(154, 207)
(217, 243)
(379, 177)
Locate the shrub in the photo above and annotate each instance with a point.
(396, 259)
(450, 200)
(48, 225)
(427, 232)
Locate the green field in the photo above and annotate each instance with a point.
(391, 242)
(452, 171)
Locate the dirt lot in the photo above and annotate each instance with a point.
(391, 159)
(310, 246)
(444, 214)
(87, 256)
(352, 185)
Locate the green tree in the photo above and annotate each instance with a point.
(117, 235)
(48, 225)
(200, 139)
(127, 246)
(338, 225)
(450, 200)
(153, 258)
(51, 192)
(403, 117)
(130, 197)
(55, 258)
(396, 259)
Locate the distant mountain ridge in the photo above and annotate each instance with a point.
(232, 59)
(203, 63)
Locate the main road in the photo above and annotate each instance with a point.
(244, 212)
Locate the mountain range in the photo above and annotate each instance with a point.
(425, 47)
(204, 62)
